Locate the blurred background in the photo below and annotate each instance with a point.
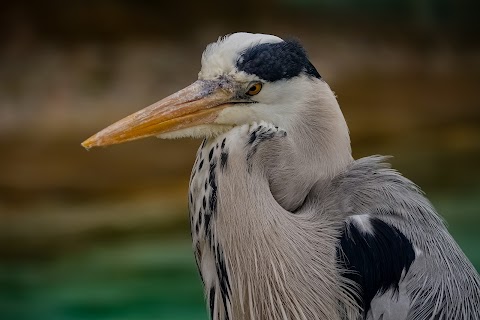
(104, 234)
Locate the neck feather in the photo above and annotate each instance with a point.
(257, 259)
(319, 148)
(279, 263)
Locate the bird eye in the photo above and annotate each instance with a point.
(254, 89)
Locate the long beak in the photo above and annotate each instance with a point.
(196, 104)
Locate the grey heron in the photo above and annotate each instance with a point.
(285, 223)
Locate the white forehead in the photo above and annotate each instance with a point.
(221, 57)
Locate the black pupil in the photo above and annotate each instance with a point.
(253, 88)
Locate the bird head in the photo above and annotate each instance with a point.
(244, 78)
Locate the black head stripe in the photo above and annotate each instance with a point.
(276, 61)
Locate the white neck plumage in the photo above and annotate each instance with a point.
(274, 274)
(318, 149)
(252, 264)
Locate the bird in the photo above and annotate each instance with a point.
(285, 223)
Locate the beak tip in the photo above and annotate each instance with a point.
(89, 143)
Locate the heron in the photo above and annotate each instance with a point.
(285, 223)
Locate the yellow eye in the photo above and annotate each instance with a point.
(254, 89)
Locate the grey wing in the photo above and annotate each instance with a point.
(399, 254)
(395, 280)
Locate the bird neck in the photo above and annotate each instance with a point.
(247, 247)
(259, 261)
(318, 148)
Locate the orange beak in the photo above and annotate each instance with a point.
(199, 103)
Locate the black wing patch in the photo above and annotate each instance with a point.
(375, 260)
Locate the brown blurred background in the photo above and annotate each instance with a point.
(104, 234)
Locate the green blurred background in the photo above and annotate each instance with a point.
(104, 234)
